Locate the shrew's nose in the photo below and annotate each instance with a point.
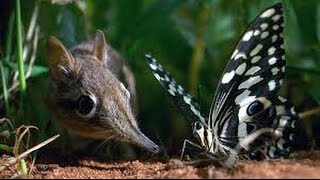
(155, 149)
(150, 146)
(146, 143)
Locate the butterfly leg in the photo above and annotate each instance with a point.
(208, 159)
(244, 144)
(186, 141)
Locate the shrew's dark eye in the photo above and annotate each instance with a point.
(86, 106)
(254, 108)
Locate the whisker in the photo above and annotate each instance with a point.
(102, 143)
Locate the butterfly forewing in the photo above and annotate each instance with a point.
(183, 100)
(251, 80)
(255, 69)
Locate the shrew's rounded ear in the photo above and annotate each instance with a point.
(99, 46)
(60, 60)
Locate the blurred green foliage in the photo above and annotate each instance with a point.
(173, 31)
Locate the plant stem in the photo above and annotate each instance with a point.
(9, 38)
(198, 47)
(4, 88)
(22, 80)
(23, 167)
(197, 55)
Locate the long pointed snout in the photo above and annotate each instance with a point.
(144, 142)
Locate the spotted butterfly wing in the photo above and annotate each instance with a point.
(183, 100)
(285, 129)
(245, 99)
(250, 80)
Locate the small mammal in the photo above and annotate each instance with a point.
(92, 91)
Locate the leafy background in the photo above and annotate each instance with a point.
(191, 39)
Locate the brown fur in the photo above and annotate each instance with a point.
(93, 68)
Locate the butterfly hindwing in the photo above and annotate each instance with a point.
(183, 100)
(285, 129)
(255, 70)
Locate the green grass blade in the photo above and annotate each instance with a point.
(9, 37)
(4, 88)
(3, 71)
(23, 167)
(22, 80)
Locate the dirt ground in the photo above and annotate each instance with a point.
(302, 167)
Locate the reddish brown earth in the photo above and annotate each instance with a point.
(303, 167)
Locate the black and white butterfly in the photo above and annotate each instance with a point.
(245, 99)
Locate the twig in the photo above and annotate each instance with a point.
(32, 164)
(19, 138)
(33, 21)
(305, 114)
(31, 31)
(2, 120)
(34, 52)
(22, 155)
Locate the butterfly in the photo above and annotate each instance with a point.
(245, 100)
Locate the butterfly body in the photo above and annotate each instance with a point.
(245, 99)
